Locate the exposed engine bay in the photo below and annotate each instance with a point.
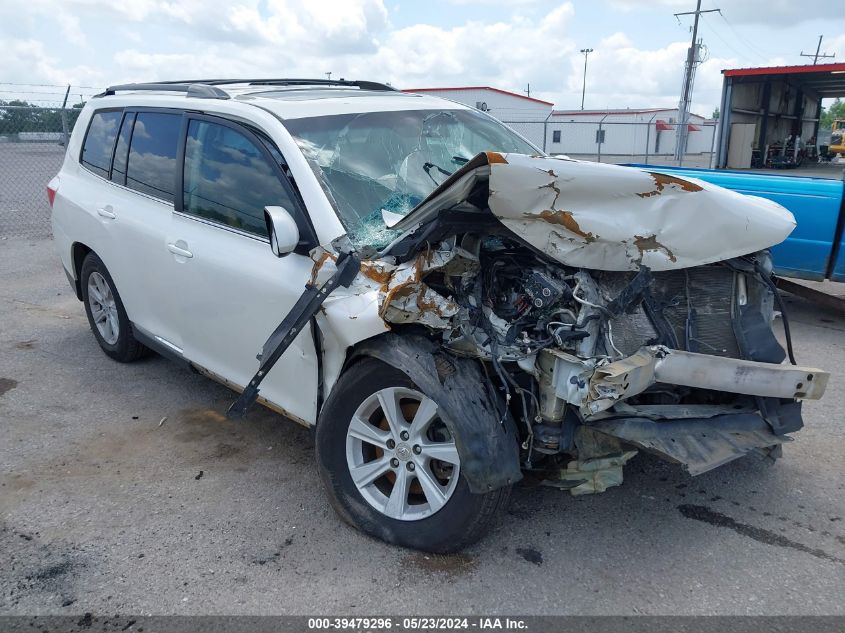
(553, 339)
(595, 344)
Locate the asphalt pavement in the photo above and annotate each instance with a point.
(106, 508)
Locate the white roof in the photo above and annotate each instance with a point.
(292, 103)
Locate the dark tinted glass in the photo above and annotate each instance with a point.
(152, 154)
(228, 179)
(118, 170)
(99, 142)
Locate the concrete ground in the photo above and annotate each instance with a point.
(105, 509)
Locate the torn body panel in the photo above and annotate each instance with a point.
(607, 217)
(592, 297)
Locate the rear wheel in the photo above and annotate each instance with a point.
(391, 466)
(106, 314)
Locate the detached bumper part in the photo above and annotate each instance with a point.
(594, 388)
(700, 437)
(699, 444)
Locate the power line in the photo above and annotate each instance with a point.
(765, 55)
(62, 86)
(30, 92)
(722, 39)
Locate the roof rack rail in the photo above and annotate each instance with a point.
(208, 88)
(363, 85)
(199, 90)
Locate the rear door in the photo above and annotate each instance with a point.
(144, 168)
(134, 209)
(232, 290)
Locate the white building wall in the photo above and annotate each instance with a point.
(632, 133)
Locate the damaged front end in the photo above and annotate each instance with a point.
(611, 309)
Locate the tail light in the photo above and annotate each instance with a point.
(52, 188)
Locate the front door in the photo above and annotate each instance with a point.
(233, 291)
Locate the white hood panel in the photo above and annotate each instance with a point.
(608, 217)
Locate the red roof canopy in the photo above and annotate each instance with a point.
(784, 70)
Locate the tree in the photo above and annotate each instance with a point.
(20, 116)
(835, 111)
(715, 115)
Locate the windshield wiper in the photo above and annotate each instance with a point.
(428, 166)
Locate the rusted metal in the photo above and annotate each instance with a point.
(613, 218)
(661, 181)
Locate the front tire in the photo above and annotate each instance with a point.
(390, 465)
(106, 314)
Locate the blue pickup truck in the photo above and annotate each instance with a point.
(816, 248)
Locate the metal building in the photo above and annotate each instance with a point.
(624, 132)
(770, 115)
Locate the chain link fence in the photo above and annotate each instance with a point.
(32, 148)
(649, 142)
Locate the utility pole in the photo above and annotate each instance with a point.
(527, 90)
(586, 52)
(816, 56)
(689, 73)
(329, 75)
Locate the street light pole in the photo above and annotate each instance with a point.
(586, 52)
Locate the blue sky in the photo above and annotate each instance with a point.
(638, 59)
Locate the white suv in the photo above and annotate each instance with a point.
(446, 304)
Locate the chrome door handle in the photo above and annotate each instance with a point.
(178, 250)
(106, 212)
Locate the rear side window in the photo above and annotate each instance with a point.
(151, 167)
(228, 178)
(99, 142)
(118, 170)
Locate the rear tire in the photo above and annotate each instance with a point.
(437, 512)
(106, 314)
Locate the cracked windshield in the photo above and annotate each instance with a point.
(377, 166)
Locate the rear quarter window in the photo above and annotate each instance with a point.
(151, 167)
(99, 142)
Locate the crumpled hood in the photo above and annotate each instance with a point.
(608, 217)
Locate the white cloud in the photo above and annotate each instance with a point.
(28, 62)
(318, 27)
(72, 30)
(166, 39)
(504, 54)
